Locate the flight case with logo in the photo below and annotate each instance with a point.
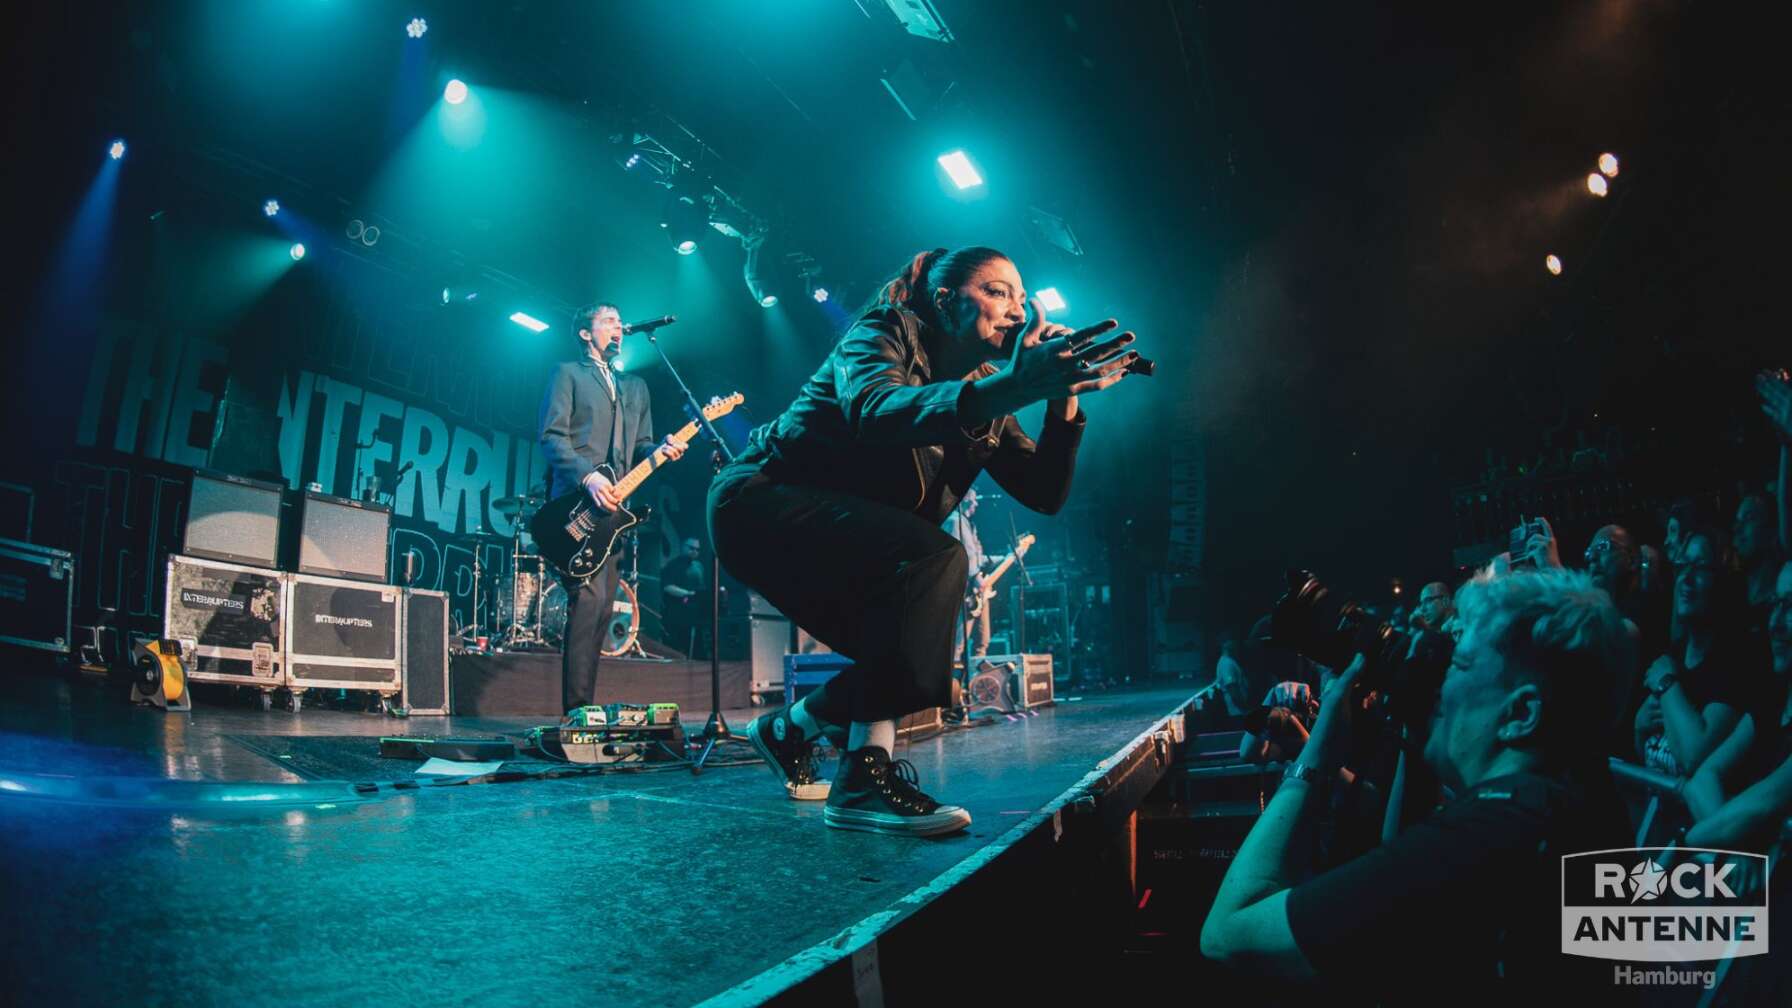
(235, 616)
(344, 635)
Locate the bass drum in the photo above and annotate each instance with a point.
(619, 634)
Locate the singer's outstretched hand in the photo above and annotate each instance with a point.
(1057, 363)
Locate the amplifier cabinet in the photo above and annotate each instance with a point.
(1029, 677)
(344, 538)
(37, 592)
(771, 641)
(235, 617)
(423, 652)
(233, 519)
(344, 634)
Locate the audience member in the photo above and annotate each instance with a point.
(1434, 607)
(1695, 688)
(1230, 680)
(1742, 794)
(1685, 516)
(1616, 564)
(1764, 524)
(1467, 899)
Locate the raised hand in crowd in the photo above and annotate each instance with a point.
(1540, 547)
(1775, 390)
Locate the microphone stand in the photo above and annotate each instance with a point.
(716, 728)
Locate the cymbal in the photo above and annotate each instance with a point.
(510, 507)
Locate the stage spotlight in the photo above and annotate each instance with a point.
(1553, 264)
(416, 28)
(297, 251)
(958, 166)
(768, 300)
(271, 207)
(1596, 184)
(1608, 164)
(529, 322)
(447, 295)
(116, 150)
(455, 92)
(820, 295)
(685, 220)
(1051, 300)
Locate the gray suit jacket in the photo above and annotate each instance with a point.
(577, 414)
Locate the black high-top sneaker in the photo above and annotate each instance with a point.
(791, 759)
(877, 795)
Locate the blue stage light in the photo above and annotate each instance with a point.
(416, 28)
(116, 150)
(271, 207)
(455, 92)
(821, 295)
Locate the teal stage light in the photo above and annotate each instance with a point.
(1051, 300)
(455, 92)
(958, 165)
(528, 321)
(297, 251)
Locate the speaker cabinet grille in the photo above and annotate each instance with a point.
(425, 659)
(233, 519)
(343, 538)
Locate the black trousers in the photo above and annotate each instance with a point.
(877, 584)
(587, 621)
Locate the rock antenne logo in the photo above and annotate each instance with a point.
(1664, 904)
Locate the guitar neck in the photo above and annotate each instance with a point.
(989, 583)
(638, 475)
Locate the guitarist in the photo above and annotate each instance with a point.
(833, 510)
(596, 422)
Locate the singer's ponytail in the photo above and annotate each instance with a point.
(912, 287)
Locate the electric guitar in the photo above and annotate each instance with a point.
(577, 536)
(986, 590)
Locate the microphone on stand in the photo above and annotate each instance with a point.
(649, 325)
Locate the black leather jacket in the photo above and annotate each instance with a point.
(874, 421)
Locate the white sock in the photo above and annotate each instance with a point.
(878, 733)
(805, 722)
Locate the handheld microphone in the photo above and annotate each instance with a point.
(649, 325)
(1142, 366)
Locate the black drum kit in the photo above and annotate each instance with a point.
(521, 606)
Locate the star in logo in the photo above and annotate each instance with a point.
(1647, 880)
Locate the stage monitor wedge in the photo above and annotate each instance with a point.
(233, 519)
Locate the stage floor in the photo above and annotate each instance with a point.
(630, 889)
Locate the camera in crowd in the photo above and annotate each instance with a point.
(1405, 670)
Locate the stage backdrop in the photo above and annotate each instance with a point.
(330, 379)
